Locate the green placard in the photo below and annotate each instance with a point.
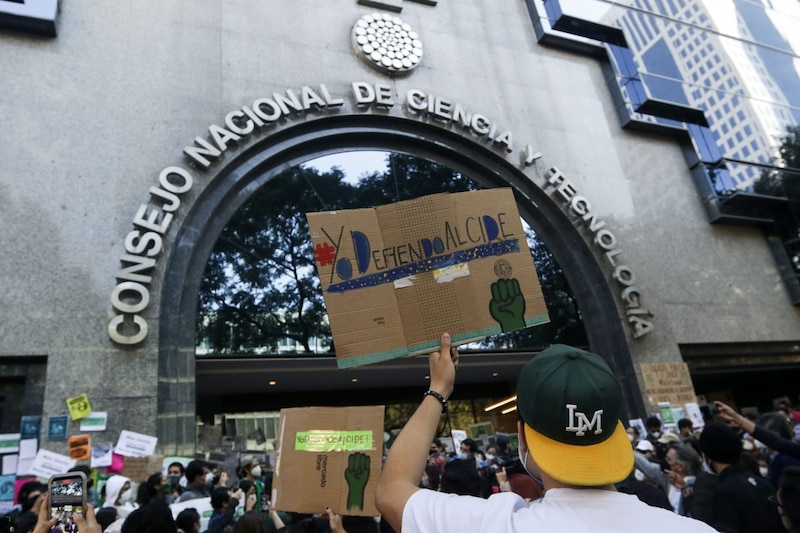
(332, 441)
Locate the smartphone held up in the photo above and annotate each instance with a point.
(67, 499)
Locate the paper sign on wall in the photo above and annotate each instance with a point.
(49, 463)
(96, 421)
(79, 406)
(9, 442)
(396, 277)
(57, 427)
(101, 455)
(79, 447)
(132, 444)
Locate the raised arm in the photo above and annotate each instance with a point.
(409, 453)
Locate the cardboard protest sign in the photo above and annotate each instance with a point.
(396, 277)
(328, 457)
(140, 468)
(667, 382)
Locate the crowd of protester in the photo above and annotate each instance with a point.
(736, 474)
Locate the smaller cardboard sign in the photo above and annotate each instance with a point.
(79, 406)
(667, 382)
(79, 447)
(328, 457)
(695, 415)
(396, 277)
(140, 468)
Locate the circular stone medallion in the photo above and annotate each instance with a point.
(386, 43)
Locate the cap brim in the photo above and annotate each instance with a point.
(595, 465)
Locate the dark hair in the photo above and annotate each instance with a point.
(28, 487)
(685, 423)
(219, 496)
(653, 422)
(187, 519)
(245, 485)
(194, 469)
(461, 477)
(721, 443)
(179, 465)
(776, 423)
(789, 493)
(106, 516)
(149, 489)
(155, 517)
(471, 444)
(250, 522)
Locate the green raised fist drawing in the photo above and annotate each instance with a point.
(356, 474)
(507, 305)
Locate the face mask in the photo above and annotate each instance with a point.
(524, 461)
(763, 471)
(639, 475)
(426, 482)
(256, 471)
(209, 478)
(462, 455)
(656, 434)
(174, 480)
(490, 457)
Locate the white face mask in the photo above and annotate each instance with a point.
(763, 471)
(462, 455)
(209, 478)
(490, 457)
(256, 471)
(638, 474)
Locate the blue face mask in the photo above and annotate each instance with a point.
(462, 455)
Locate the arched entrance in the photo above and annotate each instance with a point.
(267, 157)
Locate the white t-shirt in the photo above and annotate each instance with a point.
(560, 510)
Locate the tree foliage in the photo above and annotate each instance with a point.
(260, 285)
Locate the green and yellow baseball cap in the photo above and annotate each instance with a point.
(570, 402)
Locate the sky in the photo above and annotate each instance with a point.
(353, 164)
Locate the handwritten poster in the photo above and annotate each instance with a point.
(667, 382)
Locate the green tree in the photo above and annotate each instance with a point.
(260, 285)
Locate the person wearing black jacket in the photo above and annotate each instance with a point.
(742, 502)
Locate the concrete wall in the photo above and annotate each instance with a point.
(91, 118)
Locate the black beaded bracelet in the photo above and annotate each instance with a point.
(438, 397)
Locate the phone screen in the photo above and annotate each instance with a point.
(67, 498)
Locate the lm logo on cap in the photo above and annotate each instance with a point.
(583, 422)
